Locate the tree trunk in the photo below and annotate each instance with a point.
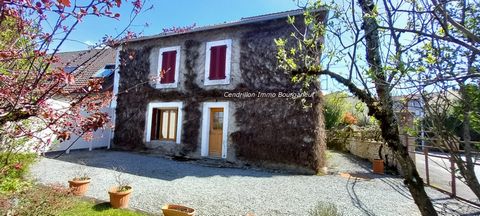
(384, 111)
(412, 179)
(467, 167)
(320, 132)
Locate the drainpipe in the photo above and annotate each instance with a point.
(113, 103)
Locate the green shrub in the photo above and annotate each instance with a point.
(9, 185)
(13, 167)
(334, 107)
(324, 209)
(337, 139)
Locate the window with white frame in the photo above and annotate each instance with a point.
(168, 66)
(217, 64)
(164, 121)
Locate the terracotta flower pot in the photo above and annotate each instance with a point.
(119, 199)
(378, 166)
(79, 187)
(177, 210)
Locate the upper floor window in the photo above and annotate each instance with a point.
(168, 64)
(70, 69)
(217, 64)
(105, 71)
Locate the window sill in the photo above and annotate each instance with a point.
(172, 142)
(217, 82)
(166, 86)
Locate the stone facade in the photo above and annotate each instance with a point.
(263, 131)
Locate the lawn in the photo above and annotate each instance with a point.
(83, 207)
(55, 200)
(21, 196)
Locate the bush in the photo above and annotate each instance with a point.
(324, 209)
(13, 167)
(334, 108)
(9, 185)
(340, 110)
(349, 119)
(337, 139)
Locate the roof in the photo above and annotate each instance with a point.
(88, 62)
(242, 21)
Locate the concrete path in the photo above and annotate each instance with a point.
(440, 175)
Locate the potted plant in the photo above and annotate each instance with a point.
(79, 183)
(378, 165)
(120, 194)
(177, 210)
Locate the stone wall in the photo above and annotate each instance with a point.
(372, 149)
(273, 132)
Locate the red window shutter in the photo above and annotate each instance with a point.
(218, 57)
(168, 66)
(153, 133)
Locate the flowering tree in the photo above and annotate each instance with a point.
(32, 32)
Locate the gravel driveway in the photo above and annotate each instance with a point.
(230, 191)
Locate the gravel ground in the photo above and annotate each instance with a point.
(231, 191)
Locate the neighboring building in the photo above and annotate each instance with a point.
(88, 64)
(85, 65)
(412, 103)
(219, 97)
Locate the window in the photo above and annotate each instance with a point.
(218, 56)
(105, 71)
(70, 69)
(164, 124)
(217, 65)
(164, 121)
(168, 64)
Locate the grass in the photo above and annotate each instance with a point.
(20, 196)
(83, 207)
(56, 200)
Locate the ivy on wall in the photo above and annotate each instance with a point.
(270, 130)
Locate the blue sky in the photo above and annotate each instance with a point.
(168, 13)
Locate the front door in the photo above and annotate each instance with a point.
(216, 132)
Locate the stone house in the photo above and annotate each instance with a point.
(220, 95)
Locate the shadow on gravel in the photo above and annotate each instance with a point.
(154, 167)
(445, 206)
(399, 188)
(356, 201)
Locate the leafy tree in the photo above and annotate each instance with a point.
(379, 43)
(447, 76)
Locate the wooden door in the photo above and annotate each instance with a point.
(216, 132)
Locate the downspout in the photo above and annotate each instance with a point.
(113, 103)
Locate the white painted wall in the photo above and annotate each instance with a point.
(101, 138)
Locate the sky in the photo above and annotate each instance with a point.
(168, 13)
